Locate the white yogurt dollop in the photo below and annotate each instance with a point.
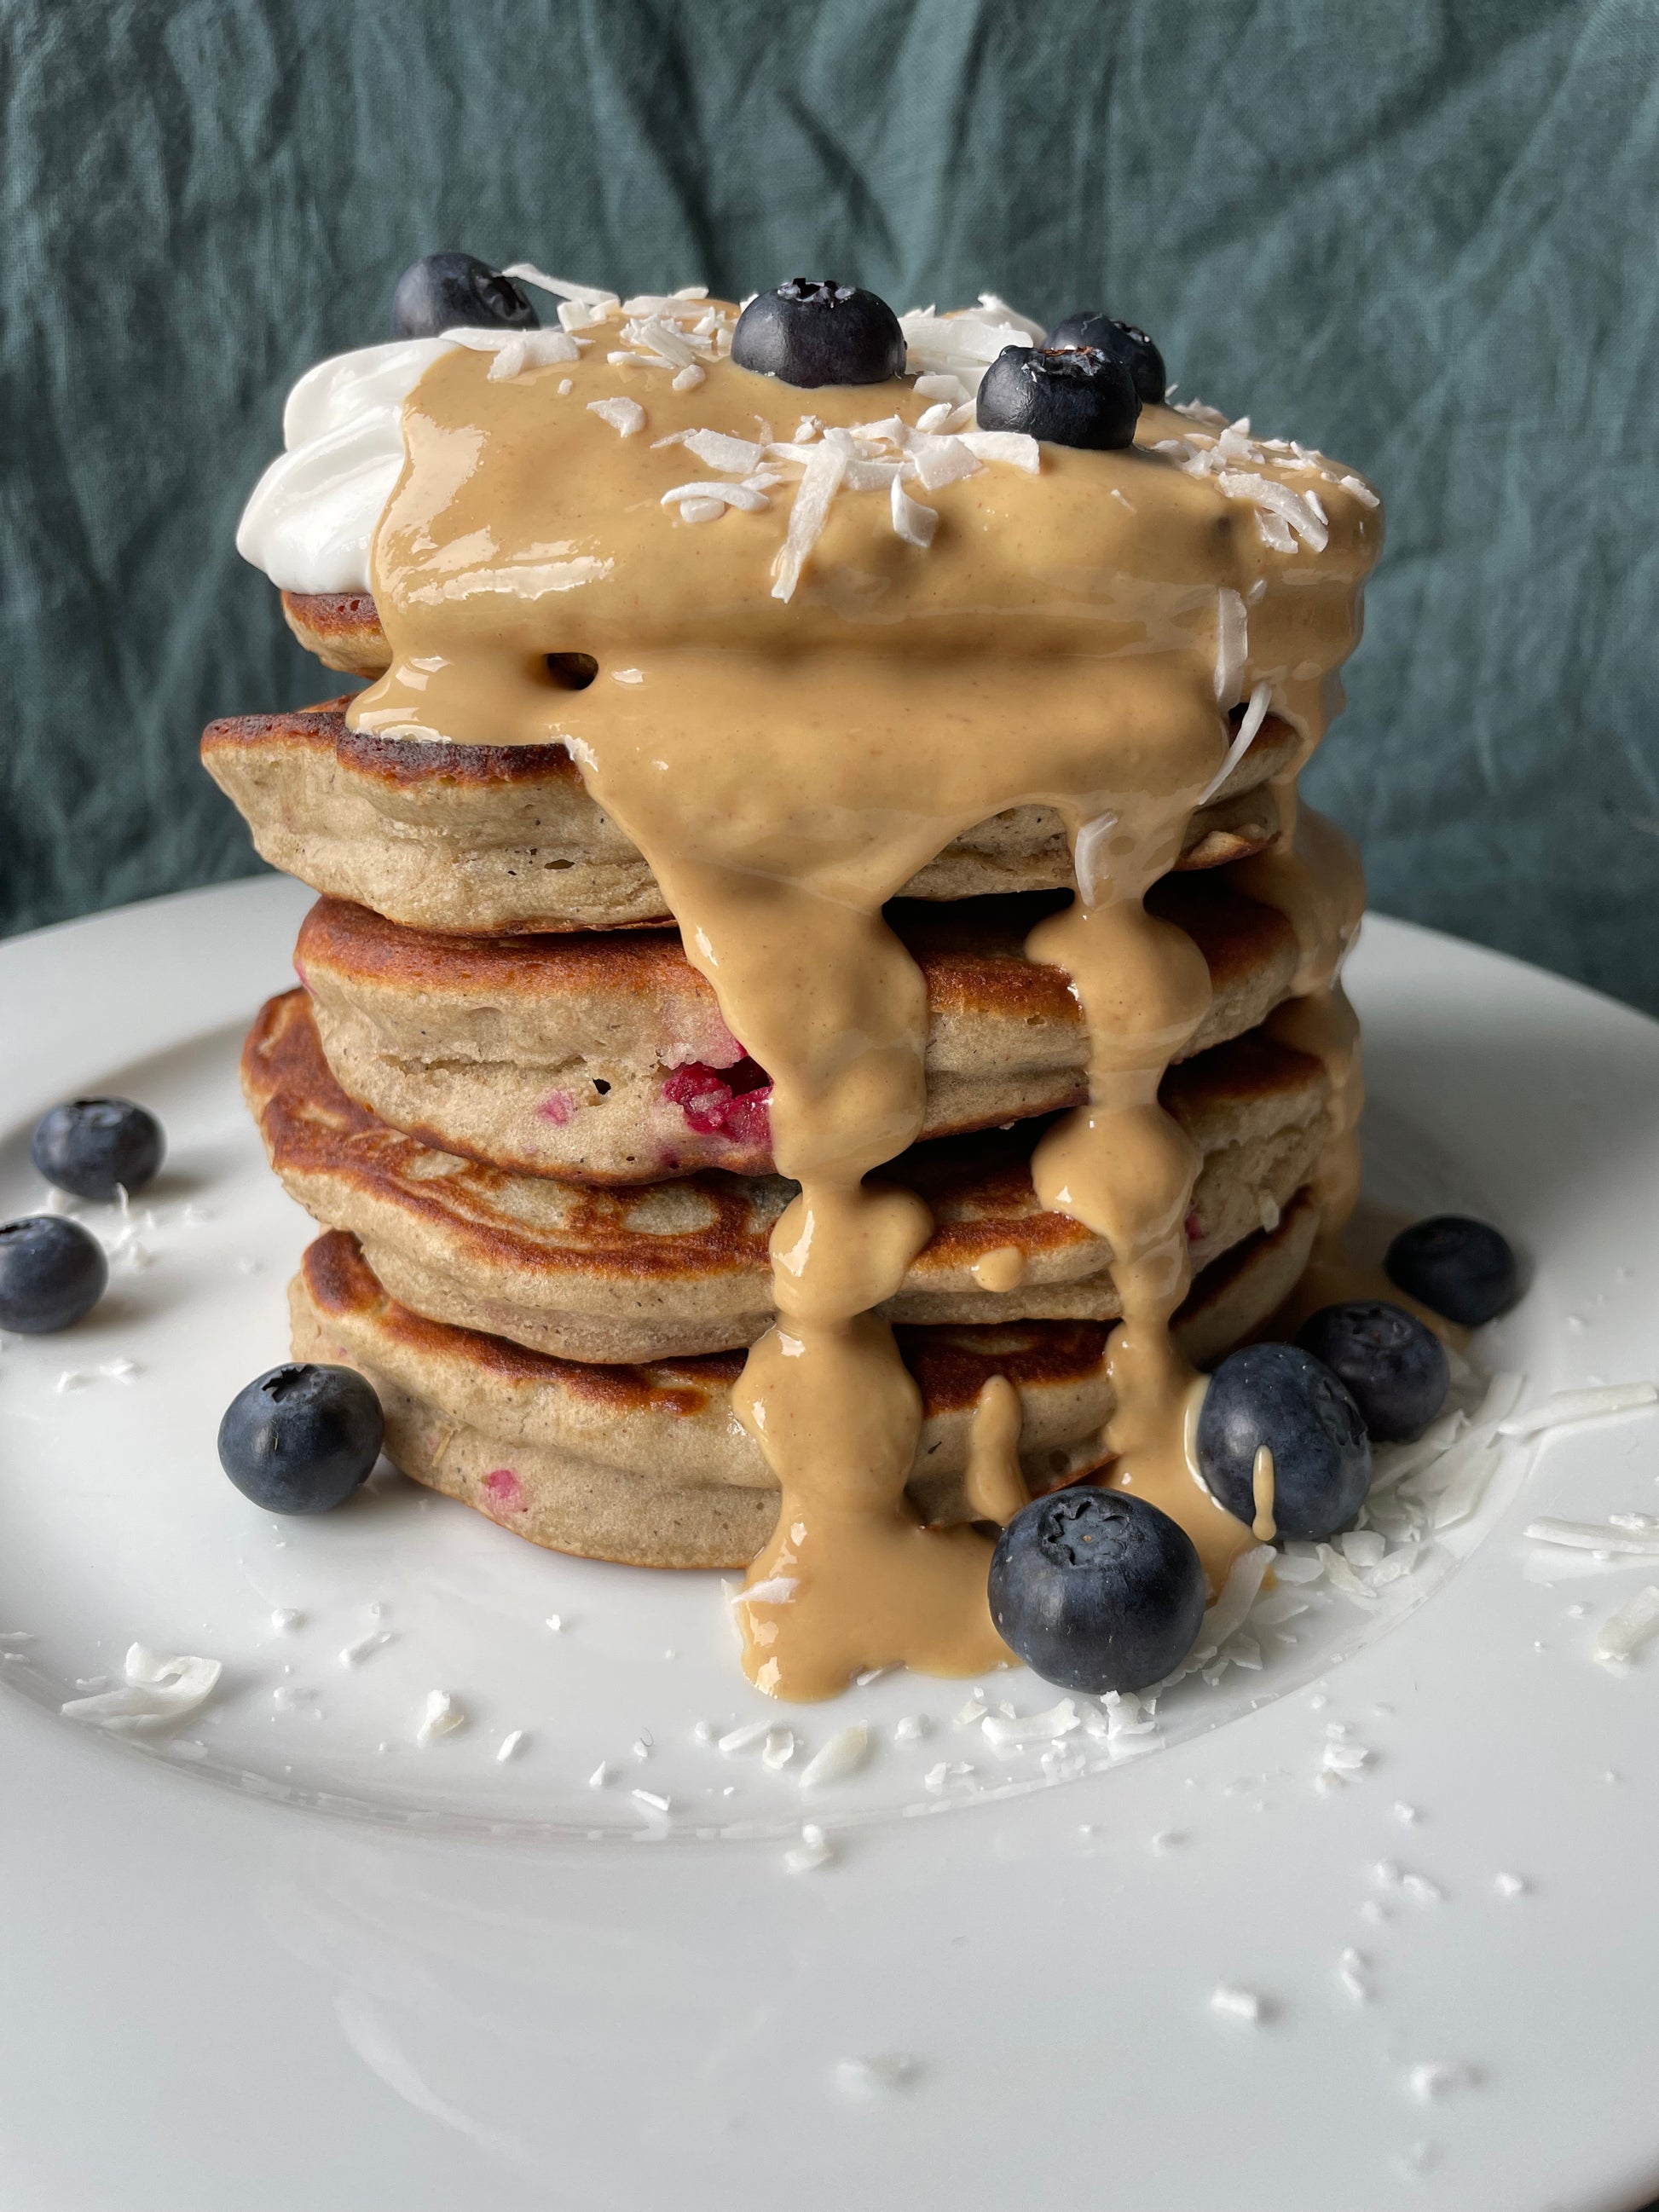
(315, 511)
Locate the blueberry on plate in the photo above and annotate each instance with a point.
(1125, 341)
(1394, 1366)
(1065, 395)
(1097, 1590)
(301, 1438)
(1458, 1267)
(51, 1272)
(1279, 1396)
(98, 1147)
(443, 291)
(810, 331)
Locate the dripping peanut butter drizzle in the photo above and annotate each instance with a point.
(785, 769)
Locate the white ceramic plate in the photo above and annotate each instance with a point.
(282, 1956)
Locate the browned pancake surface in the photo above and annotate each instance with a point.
(682, 1266)
(644, 1463)
(492, 839)
(604, 1057)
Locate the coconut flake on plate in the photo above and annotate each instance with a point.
(442, 1715)
(813, 1850)
(1236, 2003)
(158, 1691)
(1594, 1536)
(1009, 1732)
(1572, 1406)
(844, 1753)
(1625, 1633)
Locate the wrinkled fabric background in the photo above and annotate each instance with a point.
(1420, 235)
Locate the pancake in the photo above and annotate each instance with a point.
(604, 1058)
(663, 1269)
(487, 840)
(647, 1465)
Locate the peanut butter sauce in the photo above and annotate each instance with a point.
(787, 765)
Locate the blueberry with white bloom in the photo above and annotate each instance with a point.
(1065, 395)
(52, 1273)
(447, 291)
(1462, 1268)
(301, 1438)
(1125, 341)
(1279, 1396)
(1097, 1590)
(814, 330)
(1394, 1366)
(98, 1147)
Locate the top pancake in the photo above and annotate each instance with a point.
(487, 840)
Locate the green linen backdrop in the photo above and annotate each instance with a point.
(1420, 235)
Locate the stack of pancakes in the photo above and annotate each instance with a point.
(543, 1162)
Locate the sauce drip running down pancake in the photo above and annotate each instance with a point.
(787, 743)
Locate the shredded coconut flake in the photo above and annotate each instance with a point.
(1234, 2003)
(509, 1745)
(591, 296)
(1255, 714)
(440, 1715)
(1594, 1536)
(625, 416)
(354, 1654)
(158, 1691)
(1233, 644)
(1014, 447)
(737, 1741)
(819, 484)
(1007, 1734)
(1624, 1633)
(874, 2077)
(1434, 2078)
(1568, 1405)
(813, 1850)
(913, 521)
(844, 1753)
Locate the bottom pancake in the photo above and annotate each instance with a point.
(647, 1465)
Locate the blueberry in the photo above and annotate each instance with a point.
(1462, 1268)
(1279, 1396)
(1394, 1366)
(97, 1147)
(1097, 1590)
(300, 1439)
(52, 1271)
(442, 291)
(810, 331)
(1069, 396)
(1125, 341)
